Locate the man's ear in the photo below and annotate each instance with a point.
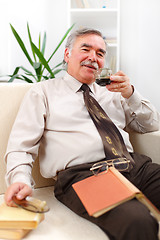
(66, 55)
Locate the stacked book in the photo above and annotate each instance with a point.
(16, 222)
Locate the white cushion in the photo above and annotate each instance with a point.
(61, 223)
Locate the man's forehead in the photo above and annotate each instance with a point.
(90, 40)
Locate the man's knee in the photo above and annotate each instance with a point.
(139, 224)
(130, 220)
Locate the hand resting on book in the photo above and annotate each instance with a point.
(21, 190)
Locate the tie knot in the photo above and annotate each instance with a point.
(85, 87)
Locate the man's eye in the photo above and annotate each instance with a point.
(85, 49)
(100, 54)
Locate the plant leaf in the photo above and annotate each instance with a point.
(65, 35)
(44, 44)
(39, 42)
(36, 65)
(42, 59)
(39, 72)
(58, 65)
(16, 71)
(27, 71)
(30, 40)
(58, 70)
(26, 79)
(21, 44)
(13, 77)
(16, 75)
(45, 77)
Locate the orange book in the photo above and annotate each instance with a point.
(103, 192)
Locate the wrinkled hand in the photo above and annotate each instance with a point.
(21, 190)
(121, 83)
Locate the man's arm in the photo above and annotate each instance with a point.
(141, 115)
(23, 145)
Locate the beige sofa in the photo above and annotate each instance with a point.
(60, 222)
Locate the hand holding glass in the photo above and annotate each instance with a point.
(102, 76)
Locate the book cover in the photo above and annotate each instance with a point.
(13, 234)
(11, 217)
(103, 192)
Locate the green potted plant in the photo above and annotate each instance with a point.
(39, 62)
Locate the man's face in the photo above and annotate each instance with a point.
(87, 54)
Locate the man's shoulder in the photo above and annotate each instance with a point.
(46, 85)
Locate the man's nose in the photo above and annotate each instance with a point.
(92, 56)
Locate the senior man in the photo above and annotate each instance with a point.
(54, 121)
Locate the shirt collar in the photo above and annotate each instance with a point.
(75, 85)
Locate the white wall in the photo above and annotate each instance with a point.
(140, 46)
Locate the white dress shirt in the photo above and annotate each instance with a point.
(54, 121)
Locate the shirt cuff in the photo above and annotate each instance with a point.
(22, 173)
(135, 100)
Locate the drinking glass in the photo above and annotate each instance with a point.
(102, 76)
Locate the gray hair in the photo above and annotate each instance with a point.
(78, 33)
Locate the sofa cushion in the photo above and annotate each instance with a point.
(61, 223)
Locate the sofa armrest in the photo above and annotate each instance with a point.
(147, 144)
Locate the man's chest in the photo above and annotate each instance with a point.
(67, 112)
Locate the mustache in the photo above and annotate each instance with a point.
(90, 63)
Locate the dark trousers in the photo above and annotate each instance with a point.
(130, 220)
